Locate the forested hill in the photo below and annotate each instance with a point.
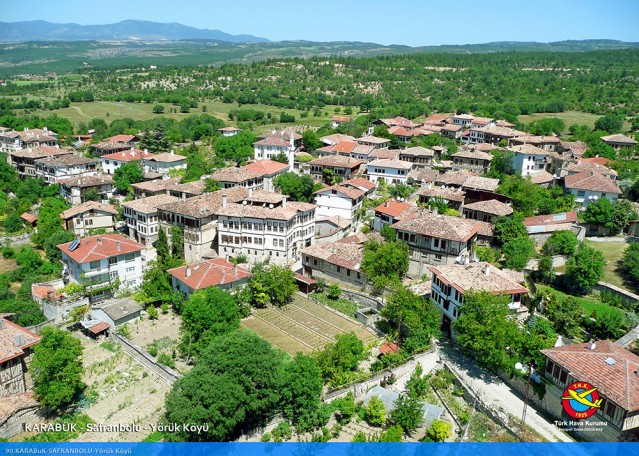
(39, 57)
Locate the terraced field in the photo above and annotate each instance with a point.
(303, 326)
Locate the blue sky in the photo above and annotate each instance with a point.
(410, 22)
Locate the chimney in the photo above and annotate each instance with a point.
(187, 272)
(387, 204)
(172, 152)
(250, 190)
(132, 152)
(235, 269)
(284, 202)
(592, 345)
(99, 240)
(117, 244)
(486, 270)
(146, 151)
(223, 199)
(123, 154)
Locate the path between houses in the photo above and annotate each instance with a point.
(494, 392)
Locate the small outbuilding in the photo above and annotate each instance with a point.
(117, 312)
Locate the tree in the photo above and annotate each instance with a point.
(25, 313)
(334, 291)
(545, 270)
(53, 253)
(484, 329)
(585, 268)
(502, 163)
(375, 413)
(237, 147)
(560, 243)
(207, 314)
(274, 284)
(547, 126)
(281, 158)
(438, 431)
(388, 233)
(509, 228)
(310, 140)
(631, 260)
(412, 315)
(211, 185)
(600, 149)
(156, 283)
(610, 123)
(162, 247)
(392, 434)
(177, 242)
(301, 389)
(385, 263)
(49, 221)
(337, 360)
(345, 408)
(299, 188)
(565, 314)
(158, 109)
(128, 174)
(518, 252)
(408, 413)
(57, 368)
(613, 216)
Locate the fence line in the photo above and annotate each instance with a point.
(167, 374)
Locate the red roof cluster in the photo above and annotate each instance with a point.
(209, 273)
(94, 248)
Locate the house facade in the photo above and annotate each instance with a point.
(336, 167)
(53, 168)
(163, 163)
(77, 190)
(528, 159)
(435, 239)
(142, 217)
(392, 171)
(111, 162)
(23, 160)
(214, 272)
(338, 200)
(589, 187)
(88, 216)
(103, 259)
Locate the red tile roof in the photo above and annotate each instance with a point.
(341, 119)
(29, 217)
(336, 161)
(388, 347)
(127, 155)
(594, 182)
(121, 138)
(266, 167)
(551, 219)
(209, 273)
(609, 367)
(392, 207)
(349, 192)
(97, 329)
(9, 333)
(439, 226)
(602, 161)
(359, 182)
(10, 405)
(95, 248)
(303, 279)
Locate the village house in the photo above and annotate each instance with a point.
(340, 200)
(214, 272)
(547, 143)
(362, 184)
(238, 177)
(383, 154)
(437, 120)
(76, 190)
(436, 240)
(491, 134)
(398, 121)
(111, 162)
(336, 121)
(609, 368)
(541, 227)
(90, 215)
(275, 143)
(142, 217)
(586, 166)
(450, 283)
(116, 312)
(333, 139)
(265, 226)
(589, 187)
(338, 261)
(463, 120)
(453, 131)
(188, 189)
(392, 211)
(528, 159)
(197, 216)
(103, 259)
(106, 148)
(453, 197)
(391, 171)
(618, 141)
(18, 404)
(418, 156)
(479, 122)
(129, 140)
(163, 163)
(331, 167)
(473, 160)
(23, 160)
(54, 167)
(486, 211)
(341, 147)
(374, 141)
(269, 170)
(154, 187)
(229, 131)
(13, 141)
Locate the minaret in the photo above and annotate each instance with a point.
(291, 150)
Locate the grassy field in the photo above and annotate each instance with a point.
(569, 118)
(586, 302)
(112, 110)
(303, 326)
(613, 252)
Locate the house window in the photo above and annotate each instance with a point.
(581, 193)
(610, 409)
(438, 257)
(113, 260)
(94, 265)
(129, 257)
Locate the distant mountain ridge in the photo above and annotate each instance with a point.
(124, 30)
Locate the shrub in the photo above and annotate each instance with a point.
(166, 360)
(334, 292)
(438, 431)
(375, 413)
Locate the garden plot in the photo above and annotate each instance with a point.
(303, 326)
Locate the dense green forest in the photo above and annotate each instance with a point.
(502, 85)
